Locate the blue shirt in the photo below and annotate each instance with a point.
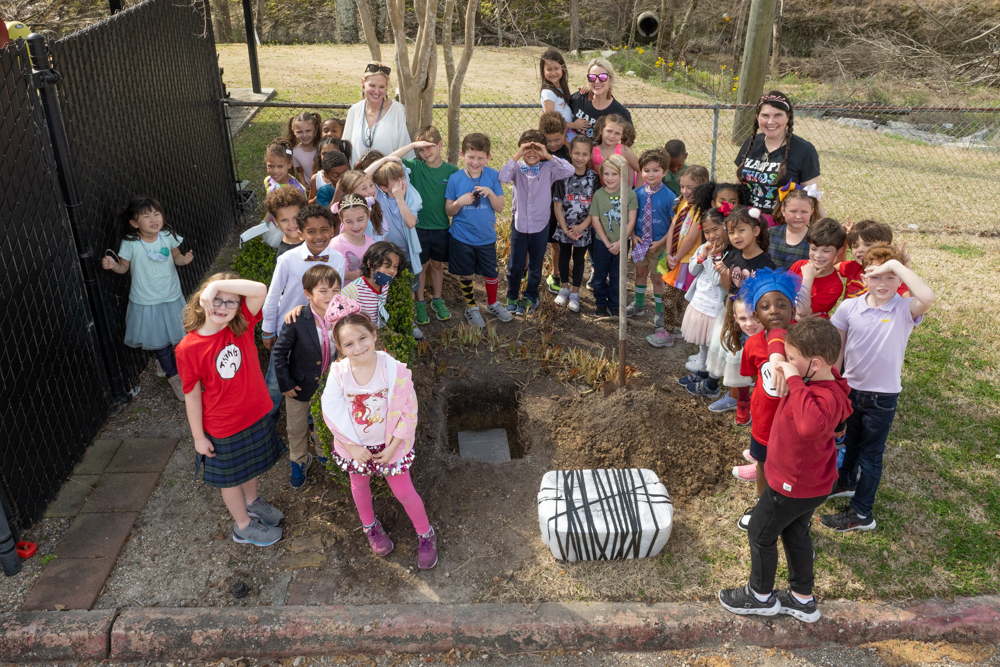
(325, 195)
(474, 225)
(663, 210)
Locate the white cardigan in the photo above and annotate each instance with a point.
(390, 133)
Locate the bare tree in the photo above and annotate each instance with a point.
(368, 25)
(663, 25)
(222, 22)
(259, 19)
(776, 41)
(574, 26)
(679, 37)
(347, 24)
(413, 76)
(457, 74)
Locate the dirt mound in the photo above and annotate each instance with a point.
(668, 432)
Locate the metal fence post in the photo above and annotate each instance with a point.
(715, 136)
(44, 80)
(251, 46)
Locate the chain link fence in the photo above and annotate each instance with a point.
(928, 167)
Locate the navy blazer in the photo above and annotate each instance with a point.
(298, 360)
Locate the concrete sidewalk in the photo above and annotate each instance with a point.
(282, 632)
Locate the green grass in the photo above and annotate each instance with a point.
(962, 250)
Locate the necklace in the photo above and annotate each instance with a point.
(368, 133)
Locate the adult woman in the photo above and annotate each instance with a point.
(376, 122)
(776, 156)
(595, 99)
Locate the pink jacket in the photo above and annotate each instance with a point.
(401, 420)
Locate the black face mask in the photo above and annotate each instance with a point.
(806, 378)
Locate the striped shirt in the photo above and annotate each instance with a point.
(372, 302)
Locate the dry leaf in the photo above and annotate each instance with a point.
(496, 578)
(253, 619)
(561, 572)
(428, 659)
(60, 607)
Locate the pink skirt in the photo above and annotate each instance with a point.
(697, 327)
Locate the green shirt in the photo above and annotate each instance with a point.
(431, 184)
(673, 181)
(607, 207)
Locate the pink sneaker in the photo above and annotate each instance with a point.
(660, 338)
(746, 455)
(381, 544)
(427, 553)
(747, 473)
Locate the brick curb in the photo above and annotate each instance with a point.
(281, 632)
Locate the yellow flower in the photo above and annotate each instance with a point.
(671, 64)
(641, 51)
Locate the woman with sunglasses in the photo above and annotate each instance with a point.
(377, 122)
(595, 99)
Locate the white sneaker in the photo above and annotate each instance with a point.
(160, 373)
(474, 318)
(498, 311)
(574, 303)
(563, 297)
(693, 365)
(660, 338)
(418, 335)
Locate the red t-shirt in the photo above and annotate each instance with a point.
(826, 291)
(764, 400)
(855, 287)
(233, 393)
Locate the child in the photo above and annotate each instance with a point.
(355, 182)
(801, 467)
(552, 125)
(399, 217)
(678, 156)
(821, 284)
(572, 198)
(614, 135)
(771, 296)
(473, 198)
(352, 242)
(555, 95)
(734, 325)
(370, 406)
(333, 127)
(379, 267)
(860, 237)
(150, 248)
(278, 161)
(875, 329)
(798, 208)
(532, 170)
(606, 218)
(316, 224)
(706, 296)
(301, 357)
(227, 402)
(331, 165)
(283, 205)
(302, 134)
(429, 176)
(656, 205)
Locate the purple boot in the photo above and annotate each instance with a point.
(381, 544)
(427, 553)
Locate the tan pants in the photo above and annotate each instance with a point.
(297, 421)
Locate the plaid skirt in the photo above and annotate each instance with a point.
(241, 457)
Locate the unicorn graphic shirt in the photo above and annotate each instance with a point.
(369, 405)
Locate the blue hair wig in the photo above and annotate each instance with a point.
(769, 280)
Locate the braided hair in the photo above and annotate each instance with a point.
(778, 100)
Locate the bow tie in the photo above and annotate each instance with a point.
(317, 258)
(533, 169)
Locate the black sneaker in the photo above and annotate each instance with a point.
(693, 378)
(613, 311)
(601, 311)
(848, 520)
(744, 522)
(841, 490)
(742, 601)
(791, 605)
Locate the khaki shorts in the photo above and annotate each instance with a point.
(650, 260)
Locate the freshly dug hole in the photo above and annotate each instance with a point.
(675, 436)
(481, 406)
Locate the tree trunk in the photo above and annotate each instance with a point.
(446, 43)
(455, 84)
(754, 65)
(574, 26)
(368, 25)
(347, 23)
(677, 45)
(259, 22)
(776, 42)
(663, 26)
(222, 22)
(499, 27)
(427, 94)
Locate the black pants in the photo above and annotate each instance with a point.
(780, 516)
(578, 254)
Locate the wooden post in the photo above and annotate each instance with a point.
(624, 190)
(754, 66)
(574, 27)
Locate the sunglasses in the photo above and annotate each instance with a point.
(603, 76)
(377, 69)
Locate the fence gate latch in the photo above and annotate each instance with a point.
(45, 77)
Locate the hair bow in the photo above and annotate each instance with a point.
(813, 191)
(754, 213)
(341, 307)
(288, 151)
(810, 190)
(725, 208)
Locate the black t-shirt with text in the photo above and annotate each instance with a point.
(759, 169)
(582, 107)
(741, 268)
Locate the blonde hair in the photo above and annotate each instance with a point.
(367, 75)
(619, 163)
(349, 184)
(388, 172)
(194, 314)
(606, 64)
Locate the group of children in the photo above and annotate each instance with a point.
(754, 293)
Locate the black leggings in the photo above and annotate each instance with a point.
(579, 255)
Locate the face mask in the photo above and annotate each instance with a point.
(382, 279)
(809, 376)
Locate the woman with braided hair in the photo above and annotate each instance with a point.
(775, 156)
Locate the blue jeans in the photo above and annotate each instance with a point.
(533, 246)
(271, 379)
(867, 429)
(167, 360)
(605, 276)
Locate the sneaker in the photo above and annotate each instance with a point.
(744, 521)
(613, 312)
(257, 533)
(634, 311)
(748, 472)
(268, 515)
(746, 455)
(701, 389)
(601, 312)
(660, 338)
(695, 364)
(473, 317)
(427, 553)
(742, 601)
(725, 404)
(554, 283)
(841, 490)
(742, 413)
(677, 333)
(440, 310)
(381, 544)
(178, 386)
(298, 478)
(690, 379)
(511, 305)
(418, 335)
(658, 320)
(563, 297)
(574, 303)
(848, 520)
(791, 605)
(421, 312)
(499, 312)
(160, 373)
(693, 357)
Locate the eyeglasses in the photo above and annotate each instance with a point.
(230, 305)
(603, 76)
(379, 69)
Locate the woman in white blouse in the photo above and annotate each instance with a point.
(377, 122)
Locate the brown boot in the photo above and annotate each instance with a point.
(177, 386)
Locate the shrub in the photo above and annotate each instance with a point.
(255, 261)
(397, 335)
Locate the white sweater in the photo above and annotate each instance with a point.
(390, 132)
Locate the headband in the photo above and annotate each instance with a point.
(810, 190)
(775, 101)
(763, 281)
(339, 308)
(356, 200)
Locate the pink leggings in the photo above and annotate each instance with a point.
(402, 487)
